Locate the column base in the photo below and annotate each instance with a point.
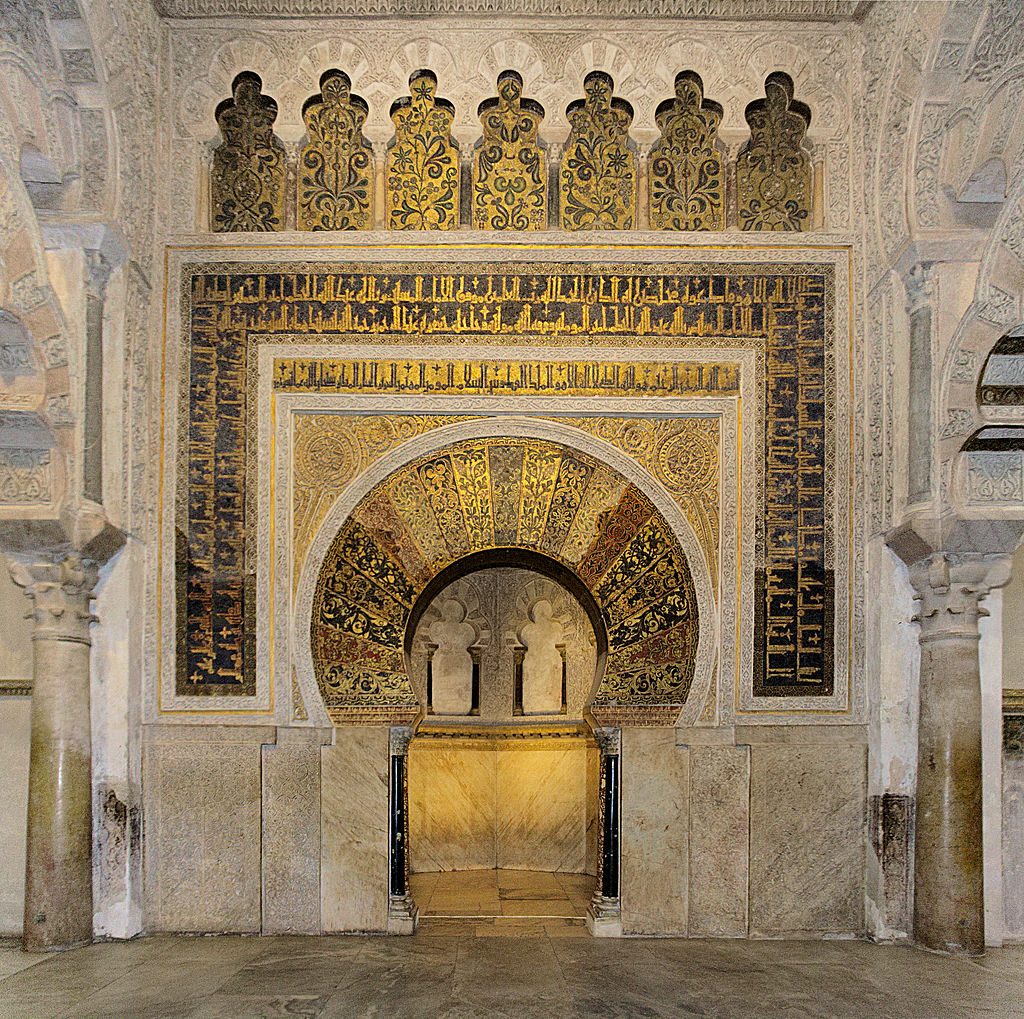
(604, 917)
(403, 915)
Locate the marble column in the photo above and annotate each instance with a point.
(604, 916)
(58, 865)
(948, 870)
(402, 911)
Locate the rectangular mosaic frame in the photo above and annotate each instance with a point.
(248, 258)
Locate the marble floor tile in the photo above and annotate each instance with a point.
(537, 907)
(510, 967)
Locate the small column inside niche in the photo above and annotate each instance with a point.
(604, 915)
(403, 914)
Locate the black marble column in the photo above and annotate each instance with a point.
(402, 912)
(604, 916)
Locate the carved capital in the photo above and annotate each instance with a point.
(950, 588)
(609, 741)
(99, 274)
(920, 286)
(400, 737)
(60, 593)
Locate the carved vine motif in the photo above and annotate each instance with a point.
(336, 166)
(598, 178)
(773, 172)
(422, 169)
(248, 179)
(687, 190)
(509, 167)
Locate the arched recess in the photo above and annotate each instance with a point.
(602, 518)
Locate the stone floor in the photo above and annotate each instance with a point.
(470, 977)
(502, 900)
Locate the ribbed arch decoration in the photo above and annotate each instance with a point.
(504, 493)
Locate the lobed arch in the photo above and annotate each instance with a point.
(668, 677)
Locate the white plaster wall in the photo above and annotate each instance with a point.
(990, 660)
(15, 720)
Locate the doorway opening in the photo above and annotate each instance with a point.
(504, 770)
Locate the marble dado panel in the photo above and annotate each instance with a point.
(552, 55)
(733, 694)
(484, 804)
(202, 822)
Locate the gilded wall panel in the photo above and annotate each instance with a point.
(248, 179)
(510, 181)
(686, 189)
(773, 171)
(783, 312)
(598, 180)
(422, 169)
(335, 187)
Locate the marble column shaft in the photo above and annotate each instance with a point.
(58, 865)
(948, 868)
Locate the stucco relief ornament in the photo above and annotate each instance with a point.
(598, 178)
(248, 179)
(336, 167)
(509, 166)
(773, 172)
(422, 168)
(687, 175)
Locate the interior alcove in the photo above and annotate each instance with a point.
(499, 788)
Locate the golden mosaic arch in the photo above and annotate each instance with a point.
(773, 171)
(503, 492)
(510, 180)
(247, 183)
(687, 170)
(598, 179)
(335, 185)
(421, 171)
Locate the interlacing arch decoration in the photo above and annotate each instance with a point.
(505, 495)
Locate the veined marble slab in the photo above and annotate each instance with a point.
(655, 832)
(354, 830)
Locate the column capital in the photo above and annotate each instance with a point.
(919, 285)
(399, 738)
(60, 593)
(609, 741)
(950, 588)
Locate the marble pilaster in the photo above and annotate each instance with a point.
(58, 864)
(354, 855)
(291, 832)
(948, 865)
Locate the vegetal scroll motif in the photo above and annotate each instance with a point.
(336, 167)
(773, 172)
(509, 167)
(248, 179)
(599, 171)
(687, 178)
(422, 169)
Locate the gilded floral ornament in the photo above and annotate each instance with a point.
(248, 179)
(336, 166)
(599, 171)
(687, 189)
(773, 172)
(509, 166)
(422, 169)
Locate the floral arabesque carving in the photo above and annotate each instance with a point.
(248, 179)
(422, 169)
(773, 172)
(687, 178)
(335, 189)
(509, 166)
(599, 171)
